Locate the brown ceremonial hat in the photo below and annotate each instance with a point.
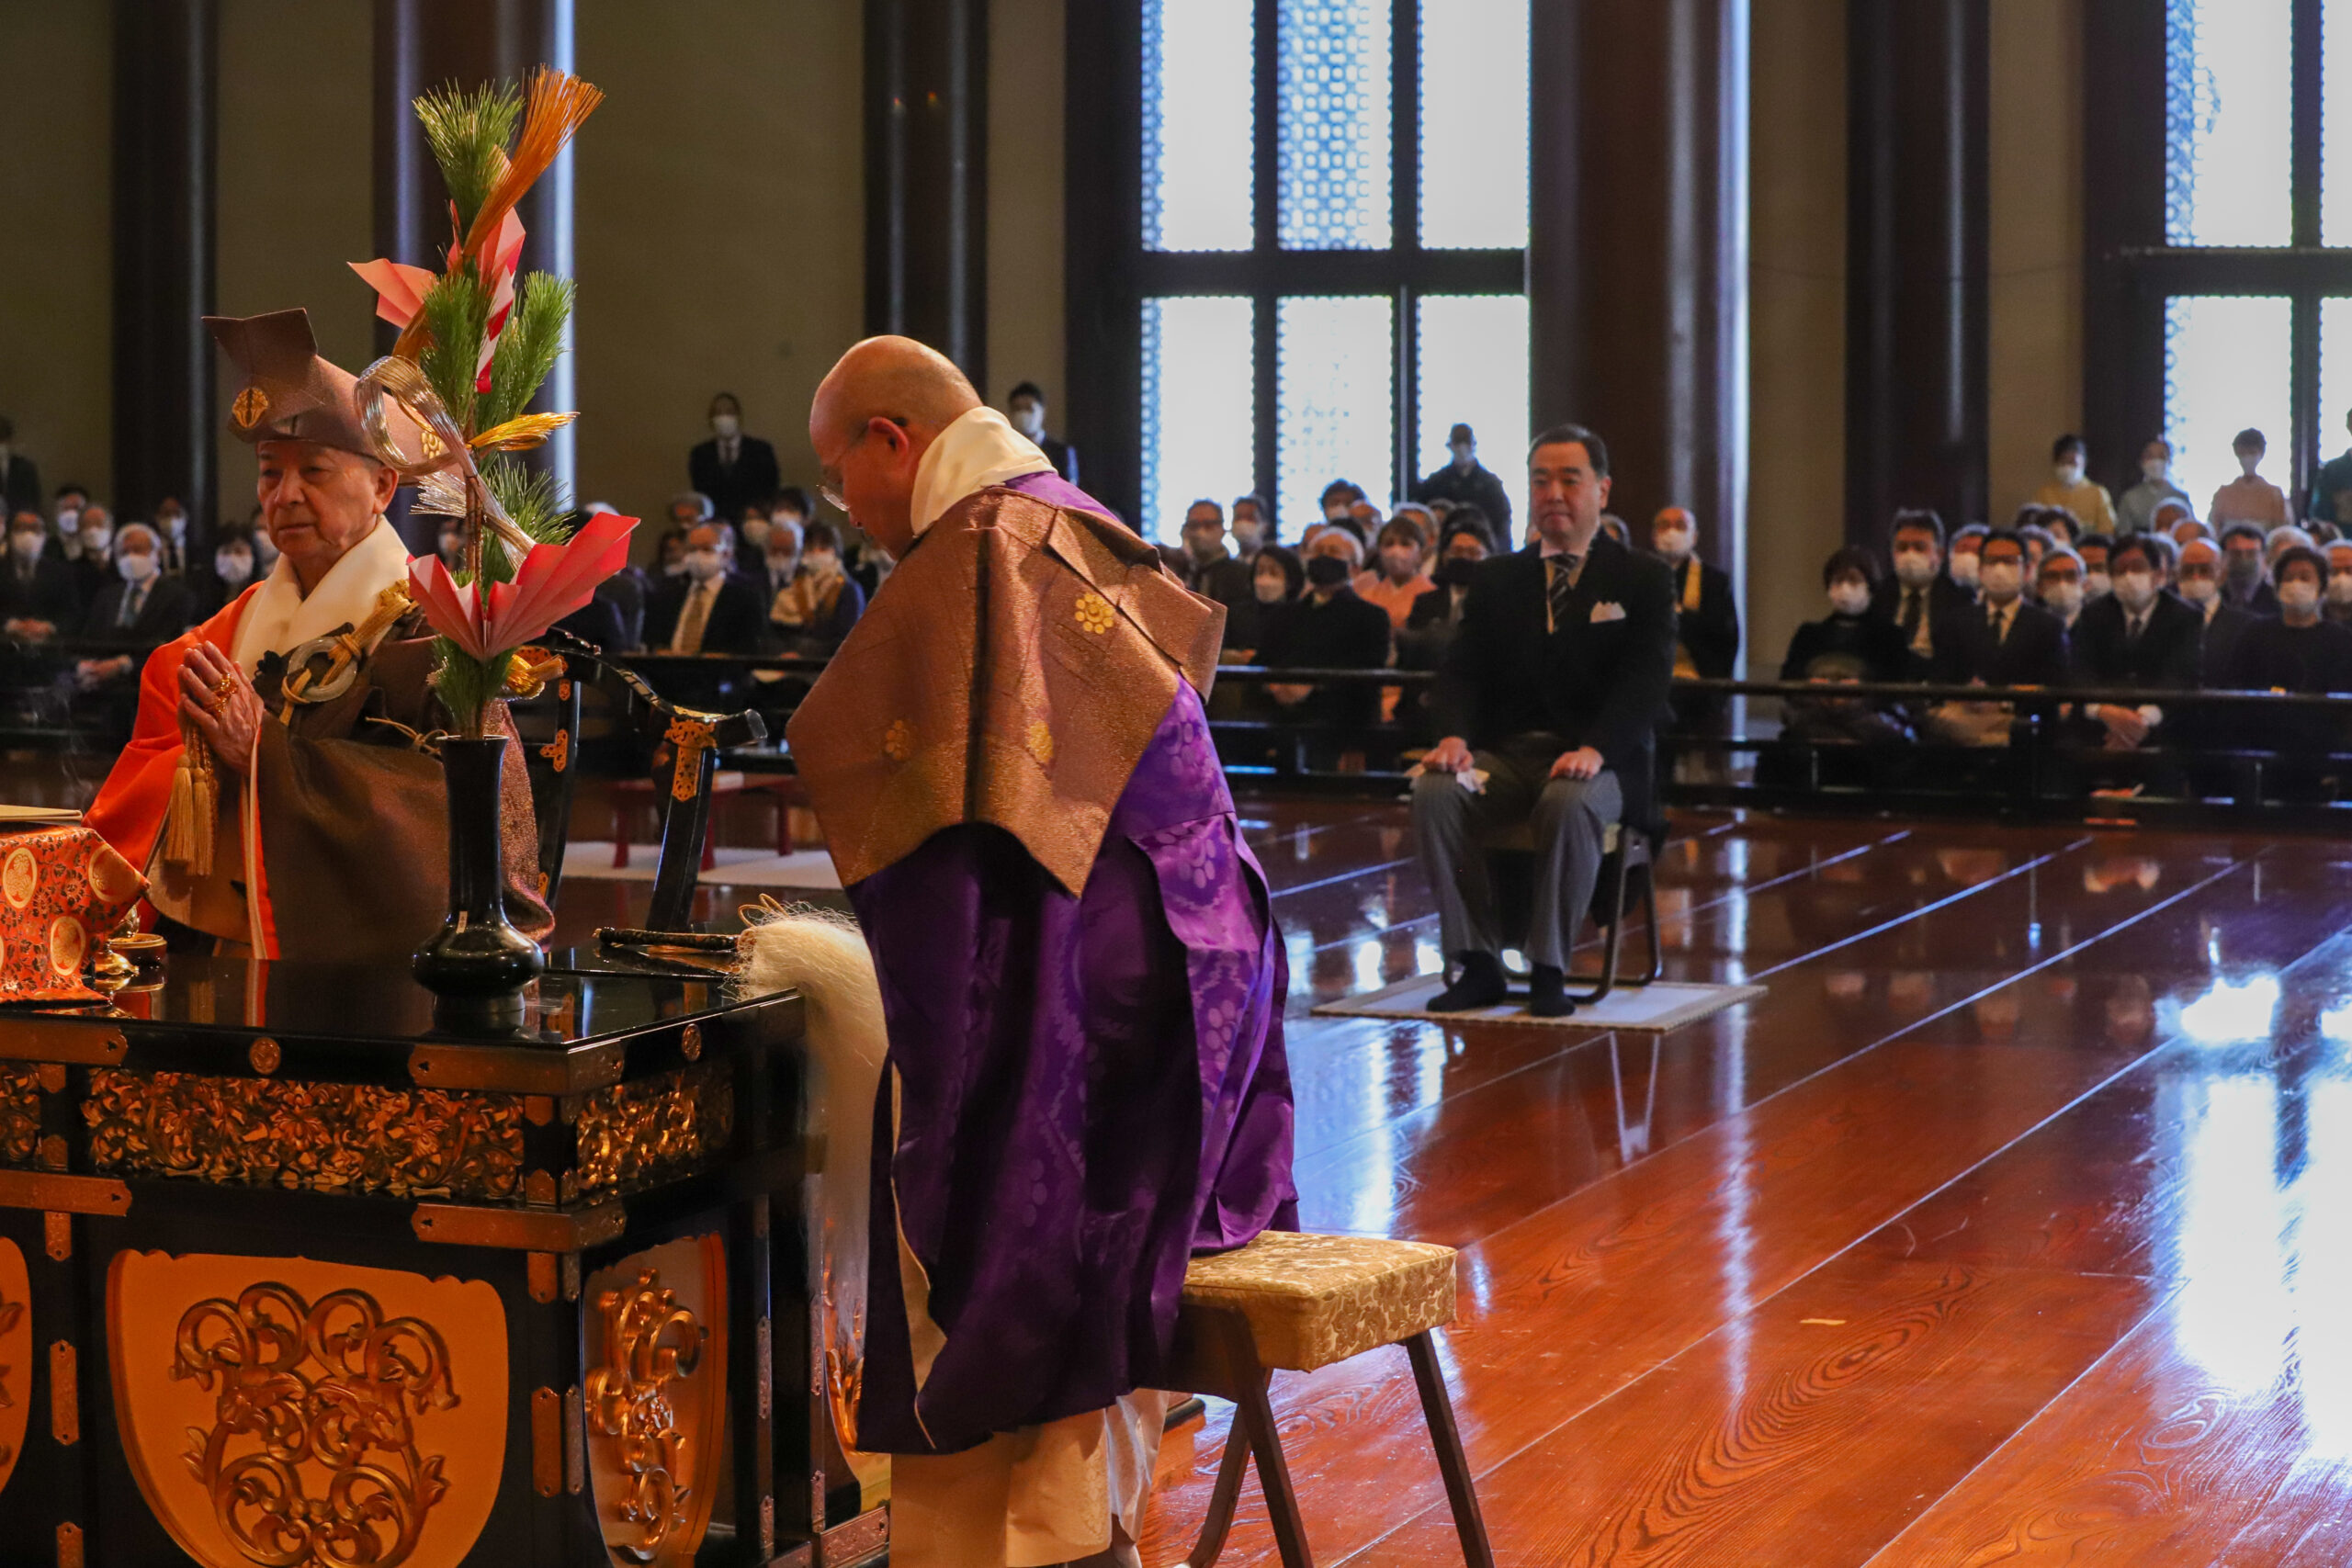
(285, 391)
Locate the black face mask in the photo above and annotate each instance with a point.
(1327, 572)
(1456, 572)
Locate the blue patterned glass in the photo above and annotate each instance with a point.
(1473, 124)
(2227, 367)
(2228, 98)
(1335, 132)
(2335, 120)
(1335, 374)
(1199, 436)
(1199, 115)
(1473, 372)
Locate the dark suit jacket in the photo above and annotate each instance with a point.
(2170, 653)
(1600, 684)
(1480, 487)
(1712, 631)
(738, 617)
(1343, 633)
(1062, 456)
(21, 484)
(753, 477)
(2033, 654)
(47, 594)
(163, 617)
(208, 595)
(1226, 580)
(2224, 636)
(1946, 600)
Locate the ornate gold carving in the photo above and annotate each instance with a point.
(690, 1043)
(692, 737)
(322, 1136)
(652, 1127)
(303, 1388)
(546, 1442)
(650, 1342)
(899, 740)
(51, 1154)
(57, 1236)
(65, 1395)
(20, 1114)
(250, 406)
(1094, 613)
(265, 1055)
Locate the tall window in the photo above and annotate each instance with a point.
(2257, 252)
(1333, 244)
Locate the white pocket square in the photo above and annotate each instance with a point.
(1608, 611)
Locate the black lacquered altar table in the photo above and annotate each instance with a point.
(287, 1277)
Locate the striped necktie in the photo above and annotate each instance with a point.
(1561, 585)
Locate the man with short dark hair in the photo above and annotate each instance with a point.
(733, 470)
(1026, 406)
(2139, 635)
(19, 478)
(2332, 490)
(1210, 569)
(2006, 640)
(1919, 598)
(1558, 678)
(1465, 480)
(1251, 531)
(2245, 577)
(37, 588)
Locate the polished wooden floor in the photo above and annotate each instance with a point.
(2013, 1225)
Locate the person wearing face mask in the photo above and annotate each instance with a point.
(2199, 579)
(94, 565)
(706, 608)
(1397, 580)
(1330, 628)
(1919, 600)
(752, 529)
(1465, 540)
(2070, 486)
(65, 541)
(2140, 636)
(37, 595)
(1248, 528)
(2338, 600)
(1337, 504)
(170, 526)
(734, 470)
(142, 606)
(2250, 497)
(1025, 407)
(821, 603)
(2005, 640)
(2135, 509)
(2245, 577)
(1277, 577)
(2331, 499)
(1706, 639)
(1210, 569)
(229, 573)
(1466, 481)
(2098, 582)
(1967, 543)
(2058, 585)
(1852, 643)
(19, 476)
(2304, 651)
(778, 562)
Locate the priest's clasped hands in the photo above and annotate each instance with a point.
(223, 704)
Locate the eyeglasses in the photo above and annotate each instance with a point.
(829, 480)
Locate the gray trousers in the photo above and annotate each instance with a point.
(1570, 819)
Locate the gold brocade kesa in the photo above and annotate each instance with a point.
(1013, 672)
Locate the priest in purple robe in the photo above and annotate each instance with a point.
(1080, 975)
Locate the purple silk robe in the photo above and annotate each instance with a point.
(1091, 1090)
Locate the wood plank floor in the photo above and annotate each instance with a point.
(2013, 1224)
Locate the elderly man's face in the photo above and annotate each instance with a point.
(2199, 562)
(1203, 534)
(1565, 494)
(317, 502)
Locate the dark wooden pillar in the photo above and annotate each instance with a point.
(1637, 260)
(420, 45)
(2124, 211)
(926, 174)
(163, 121)
(1917, 236)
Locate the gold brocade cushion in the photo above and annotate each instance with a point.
(1314, 1300)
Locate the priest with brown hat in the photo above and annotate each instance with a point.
(275, 790)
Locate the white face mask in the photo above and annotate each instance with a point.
(1965, 569)
(1400, 564)
(783, 566)
(1674, 544)
(1271, 590)
(1029, 418)
(26, 544)
(233, 565)
(2136, 589)
(2199, 590)
(1336, 512)
(1250, 535)
(69, 518)
(2156, 469)
(821, 563)
(726, 426)
(136, 568)
(703, 565)
(1914, 569)
(2299, 595)
(452, 550)
(174, 524)
(755, 531)
(2063, 597)
(2002, 580)
(2339, 588)
(96, 540)
(1850, 598)
(2070, 474)
(2248, 462)
(2097, 585)
(674, 569)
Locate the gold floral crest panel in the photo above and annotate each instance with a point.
(286, 1412)
(16, 1357)
(656, 1398)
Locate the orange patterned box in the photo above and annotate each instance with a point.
(59, 889)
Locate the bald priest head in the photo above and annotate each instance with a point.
(875, 415)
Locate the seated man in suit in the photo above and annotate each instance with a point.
(141, 610)
(733, 470)
(2139, 635)
(2005, 641)
(1921, 598)
(706, 609)
(36, 594)
(1558, 678)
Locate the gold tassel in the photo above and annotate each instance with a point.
(195, 803)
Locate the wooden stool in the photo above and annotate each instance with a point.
(1297, 1302)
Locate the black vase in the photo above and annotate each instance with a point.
(478, 962)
